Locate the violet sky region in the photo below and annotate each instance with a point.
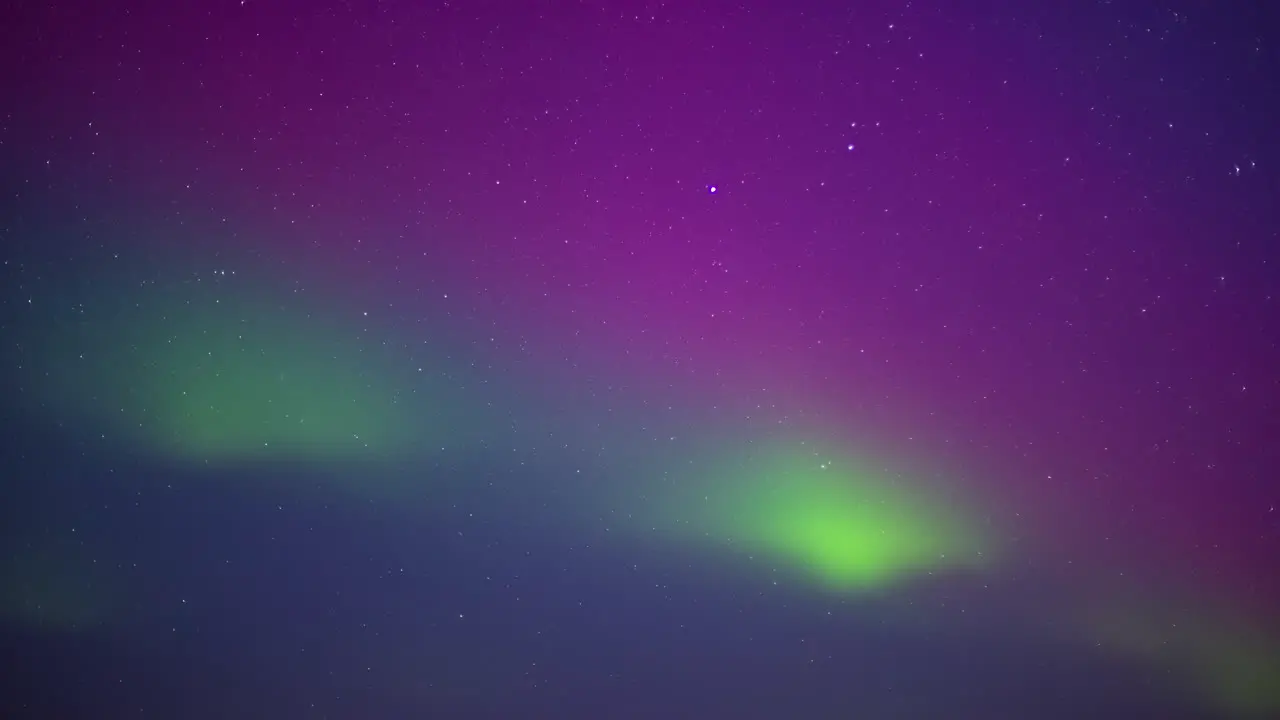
(495, 359)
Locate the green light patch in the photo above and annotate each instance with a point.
(851, 528)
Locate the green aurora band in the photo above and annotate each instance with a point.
(205, 371)
(852, 528)
(213, 370)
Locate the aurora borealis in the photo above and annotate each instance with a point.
(203, 369)
(853, 528)
(482, 360)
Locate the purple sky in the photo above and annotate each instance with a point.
(1031, 245)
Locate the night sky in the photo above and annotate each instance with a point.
(504, 359)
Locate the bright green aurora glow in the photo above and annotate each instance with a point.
(852, 528)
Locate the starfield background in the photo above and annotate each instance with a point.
(561, 359)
